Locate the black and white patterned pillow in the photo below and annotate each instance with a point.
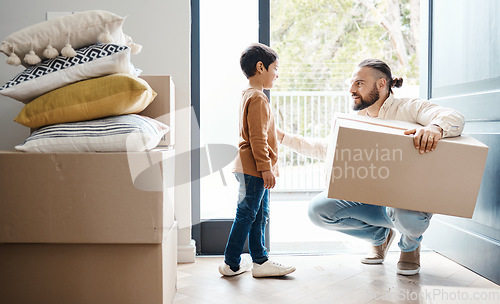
(90, 61)
(130, 133)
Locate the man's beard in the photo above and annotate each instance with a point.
(371, 99)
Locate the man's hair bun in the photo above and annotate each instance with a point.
(397, 82)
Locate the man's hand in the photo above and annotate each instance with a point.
(426, 139)
(269, 179)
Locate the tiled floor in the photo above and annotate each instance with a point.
(339, 278)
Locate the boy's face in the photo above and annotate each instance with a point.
(270, 75)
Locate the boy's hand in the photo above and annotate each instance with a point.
(269, 179)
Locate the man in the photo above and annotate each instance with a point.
(371, 91)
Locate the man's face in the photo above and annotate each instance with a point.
(364, 89)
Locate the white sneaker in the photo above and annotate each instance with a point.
(271, 269)
(225, 270)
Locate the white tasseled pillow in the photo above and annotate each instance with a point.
(62, 35)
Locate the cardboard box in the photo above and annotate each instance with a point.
(163, 105)
(375, 163)
(87, 198)
(89, 273)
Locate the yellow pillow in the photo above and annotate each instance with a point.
(111, 95)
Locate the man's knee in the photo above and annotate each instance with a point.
(322, 210)
(412, 222)
(314, 211)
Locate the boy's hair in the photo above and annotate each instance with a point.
(255, 53)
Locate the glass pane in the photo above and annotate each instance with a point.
(458, 65)
(227, 27)
(319, 44)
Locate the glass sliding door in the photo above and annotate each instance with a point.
(226, 28)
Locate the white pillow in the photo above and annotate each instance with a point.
(78, 30)
(125, 133)
(90, 61)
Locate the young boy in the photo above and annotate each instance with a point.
(255, 168)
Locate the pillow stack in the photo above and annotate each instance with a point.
(73, 94)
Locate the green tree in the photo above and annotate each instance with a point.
(320, 41)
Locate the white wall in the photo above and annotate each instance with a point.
(162, 27)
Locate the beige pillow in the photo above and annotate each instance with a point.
(95, 98)
(78, 30)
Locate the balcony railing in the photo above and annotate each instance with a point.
(310, 114)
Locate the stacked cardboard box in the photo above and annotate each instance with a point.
(78, 228)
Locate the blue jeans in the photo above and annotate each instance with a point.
(251, 219)
(369, 222)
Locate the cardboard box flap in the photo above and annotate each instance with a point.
(395, 124)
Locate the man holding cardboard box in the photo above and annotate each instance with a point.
(371, 90)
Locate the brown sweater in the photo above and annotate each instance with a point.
(258, 143)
